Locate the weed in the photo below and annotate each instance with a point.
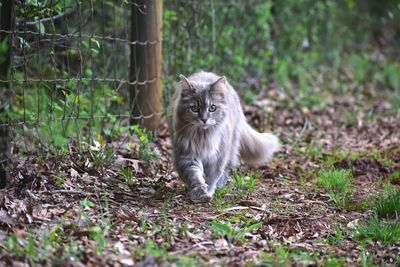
(337, 184)
(96, 232)
(387, 205)
(313, 151)
(152, 249)
(145, 139)
(394, 177)
(366, 260)
(102, 157)
(127, 174)
(244, 185)
(249, 98)
(60, 179)
(374, 229)
(284, 257)
(221, 199)
(333, 262)
(232, 233)
(143, 223)
(42, 246)
(382, 156)
(350, 117)
(337, 237)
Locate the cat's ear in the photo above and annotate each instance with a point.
(185, 82)
(219, 85)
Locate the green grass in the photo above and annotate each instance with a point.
(337, 185)
(152, 249)
(394, 177)
(384, 224)
(337, 237)
(377, 230)
(243, 185)
(127, 174)
(283, 256)
(235, 228)
(387, 206)
(145, 137)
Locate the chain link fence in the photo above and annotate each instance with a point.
(71, 70)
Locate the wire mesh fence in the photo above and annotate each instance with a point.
(74, 69)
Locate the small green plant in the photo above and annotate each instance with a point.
(394, 177)
(101, 154)
(333, 262)
(41, 246)
(127, 174)
(366, 260)
(60, 179)
(244, 185)
(232, 233)
(219, 201)
(249, 98)
(337, 237)
(337, 184)
(283, 256)
(387, 205)
(375, 229)
(145, 139)
(384, 225)
(96, 232)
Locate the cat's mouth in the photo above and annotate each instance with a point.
(204, 126)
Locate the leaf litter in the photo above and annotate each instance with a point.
(69, 211)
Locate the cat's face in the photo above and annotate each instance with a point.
(203, 105)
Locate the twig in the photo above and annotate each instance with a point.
(49, 18)
(73, 192)
(197, 245)
(301, 132)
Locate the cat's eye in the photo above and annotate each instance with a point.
(212, 108)
(194, 109)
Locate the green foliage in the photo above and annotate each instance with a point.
(384, 224)
(283, 256)
(337, 237)
(387, 205)
(102, 157)
(127, 173)
(377, 230)
(51, 245)
(243, 184)
(337, 184)
(283, 40)
(97, 232)
(145, 138)
(249, 98)
(233, 233)
(152, 249)
(210, 46)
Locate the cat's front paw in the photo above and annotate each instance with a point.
(199, 194)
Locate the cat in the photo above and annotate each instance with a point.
(210, 135)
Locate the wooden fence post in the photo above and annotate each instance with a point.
(5, 41)
(145, 62)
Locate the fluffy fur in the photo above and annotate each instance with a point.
(210, 134)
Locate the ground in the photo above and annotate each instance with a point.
(125, 206)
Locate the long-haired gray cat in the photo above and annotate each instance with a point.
(210, 134)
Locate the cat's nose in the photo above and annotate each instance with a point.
(204, 120)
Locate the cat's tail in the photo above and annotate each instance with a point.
(255, 147)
